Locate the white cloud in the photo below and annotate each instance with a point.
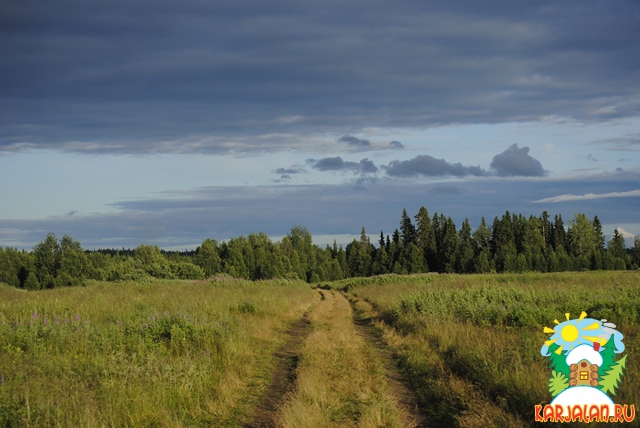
(589, 196)
(626, 235)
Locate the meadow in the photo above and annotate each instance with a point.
(169, 353)
(165, 353)
(470, 344)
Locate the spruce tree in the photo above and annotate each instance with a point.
(426, 239)
(611, 379)
(608, 356)
(559, 235)
(597, 229)
(558, 362)
(407, 230)
(449, 249)
(617, 246)
(465, 254)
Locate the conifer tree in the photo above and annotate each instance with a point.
(635, 252)
(426, 239)
(381, 263)
(558, 362)
(608, 356)
(546, 228)
(449, 249)
(559, 234)
(611, 379)
(465, 254)
(411, 259)
(617, 246)
(407, 230)
(597, 229)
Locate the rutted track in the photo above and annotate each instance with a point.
(405, 397)
(335, 370)
(283, 375)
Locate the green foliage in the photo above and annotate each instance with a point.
(558, 362)
(32, 282)
(462, 336)
(558, 382)
(608, 357)
(513, 243)
(611, 379)
(208, 257)
(496, 304)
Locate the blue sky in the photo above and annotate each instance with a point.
(167, 123)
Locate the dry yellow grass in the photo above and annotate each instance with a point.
(165, 354)
(340, 381)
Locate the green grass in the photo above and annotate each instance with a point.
(179, 353)
(156, 354)
(458, 336)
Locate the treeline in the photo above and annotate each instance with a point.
(513, 243)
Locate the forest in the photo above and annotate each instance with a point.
(512, 243)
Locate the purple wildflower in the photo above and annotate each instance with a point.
(76, 318)
(35, 315)
(45, 321)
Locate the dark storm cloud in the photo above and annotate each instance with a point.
(428, 166)
(517, 162)
(354, 141)
(185, 219)
(365, 166)
(396, 144)
(141, 76)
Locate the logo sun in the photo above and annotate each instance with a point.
(571, 333)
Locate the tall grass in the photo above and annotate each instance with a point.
(460, 336)
(156, 354)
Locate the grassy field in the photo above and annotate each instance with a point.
(470, 345)
(158, 354)
(184, 353)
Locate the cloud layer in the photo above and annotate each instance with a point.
(141, 76)
(187, 218)
(512, 162)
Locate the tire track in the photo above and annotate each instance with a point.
(283, 376)
(406, 398)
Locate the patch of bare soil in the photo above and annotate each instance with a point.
(406, 398)
(283, 375)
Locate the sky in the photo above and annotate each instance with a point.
(167, 123)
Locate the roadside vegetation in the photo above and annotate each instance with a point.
(470, 344)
